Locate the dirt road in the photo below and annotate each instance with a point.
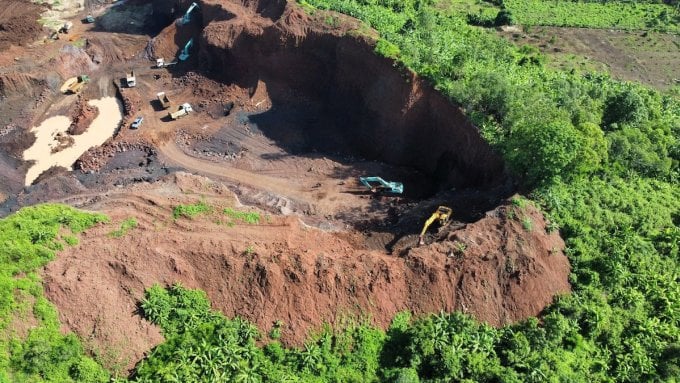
(316, 195)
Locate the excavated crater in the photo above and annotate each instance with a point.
(316, 91)
(328, 94)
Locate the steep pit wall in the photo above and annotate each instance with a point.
(387, 113)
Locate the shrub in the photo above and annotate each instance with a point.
(504, 17)
(190, 211)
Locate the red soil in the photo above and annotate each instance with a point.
(82, 116)
(283, 270)
(19, 22)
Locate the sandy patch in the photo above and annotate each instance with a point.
(101, 129)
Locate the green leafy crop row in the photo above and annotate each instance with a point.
(607, 14)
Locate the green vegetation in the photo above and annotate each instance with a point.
(624, 15)
(606, 14)
(204, 346)
(243, 216)
(600, 156)
(190, 211)
(38, 352)
(250, 250)
(125, 226)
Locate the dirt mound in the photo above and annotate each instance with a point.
(72, 61)
(82, 115)
(19, 22)
(12, 83)
(279, 269)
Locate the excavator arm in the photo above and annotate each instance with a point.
(187, 15)
(376, 184)
(442, 214)
(429, 222)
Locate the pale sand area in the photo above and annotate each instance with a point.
(103, 127)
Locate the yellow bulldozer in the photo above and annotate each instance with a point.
(442, 214)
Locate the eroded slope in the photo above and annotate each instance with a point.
(280, 269)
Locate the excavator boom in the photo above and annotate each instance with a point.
(187, 15)
(185, 52)
(377, 183)
(443, 213)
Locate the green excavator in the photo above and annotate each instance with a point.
(377, 185)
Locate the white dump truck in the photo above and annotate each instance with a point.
(182, 111)
(130, 79)
(163, 99)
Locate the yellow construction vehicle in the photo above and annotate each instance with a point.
(442, 214)
(74, 84)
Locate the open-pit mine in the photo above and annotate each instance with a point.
(270, 109)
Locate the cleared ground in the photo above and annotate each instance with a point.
(648, 57)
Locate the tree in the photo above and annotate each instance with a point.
(504, 17)
(626, 106)
(541, 153)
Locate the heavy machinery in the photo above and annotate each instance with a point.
(182, 111)
(160, 63)
(89, 19)
(66, 27)
(74, 84)
(185, 52)
(187, 15)
(442, 214)
(377, 184)
(130, 79)
(163, 99)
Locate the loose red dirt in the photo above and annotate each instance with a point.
(281, 269)
(19, 23)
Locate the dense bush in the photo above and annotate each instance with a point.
(28, 240)
(204, 346)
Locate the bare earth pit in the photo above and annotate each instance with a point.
(313, 109)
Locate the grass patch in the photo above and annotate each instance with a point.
(125, 227)
(29, 239)
(243, 216)
(190, 211)
(613, 14)
(70, 240)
